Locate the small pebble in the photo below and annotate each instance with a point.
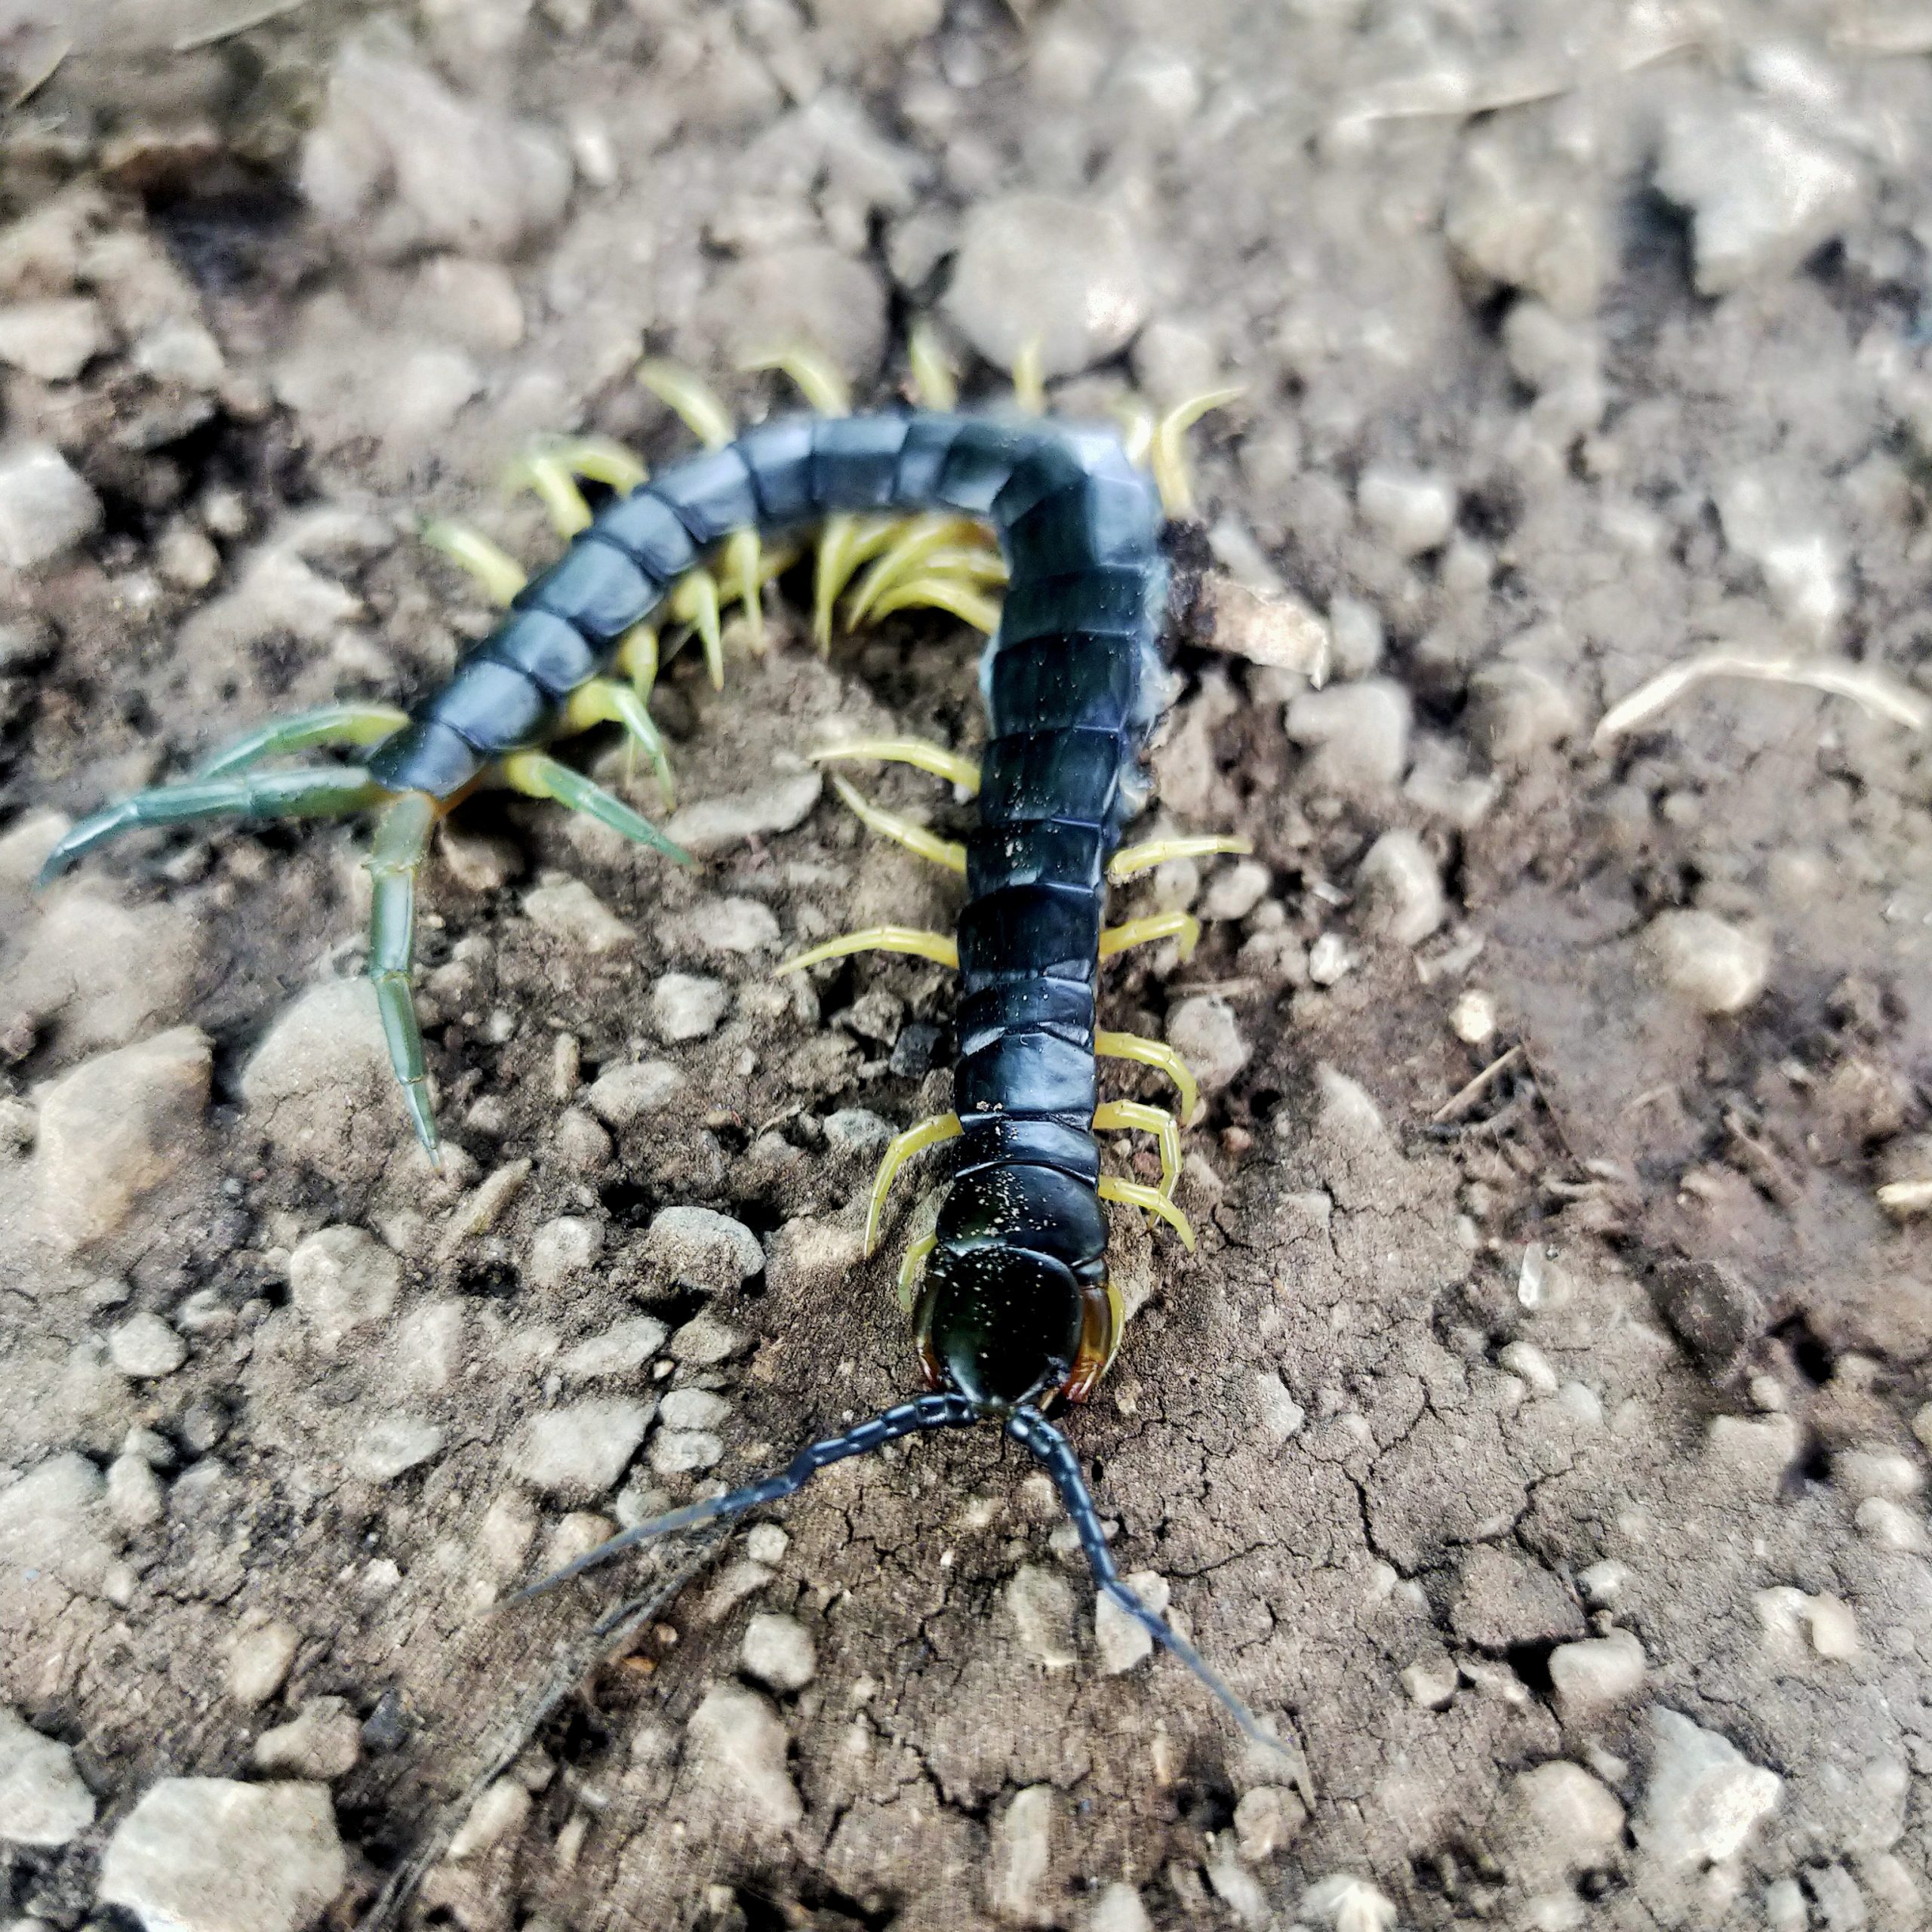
(1704, 1796)
(618, 1351)
(704, 1342)
(577, 1452)
(258, 1661)
(1350, 1904)
(568, 910)
(778, 1651)
(1266, 1819)
(1432, 1682)
(1518, 711)
(1358, 735)
(342, 1278)
(700, 1248)
(561, 1250)
(1040, 1602)
(857, 1130)
(684, 1452)
(391, 1444)
(732, 925)
(1412, 513)
(146, 1347)
(45, 507)
(741, 1737)
(499, 1814)
(54, 340)
(711, 825)
(1403, 886)
(1202, 1029)
(1763, 194)
(1235, 892)
(1560, 1821)
(1473, 1017)
(684, 1007)
(43, 1799)
(323, 1740)
(1118, 1908)
(117, 1126)
(1040, 269)
(624, 1094)
(1123, 1640)
(693, 1408)
(1019, 1857)
(1717, 967)
(1329, 959)
(211, 1855)
(1596, 1675)
(135, 1493)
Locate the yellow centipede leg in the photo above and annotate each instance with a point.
(690, 397)
(933, 384)
(695, 602)
(946, 852)
(1159, 1055)
(1183, 927)
(1029, 378)
(914, 1259)
(920, 752)
(1130, 1116)
(914, 1140)
(1132, 859)
(935, 946)
(637, 657)
(1168, 453)
(499, 573)
(1131, 1194)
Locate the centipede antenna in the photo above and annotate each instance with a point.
(925, 1412)
(1032, 1430)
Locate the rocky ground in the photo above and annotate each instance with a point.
(1540, 1438)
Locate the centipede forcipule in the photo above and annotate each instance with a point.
(1014, 1312)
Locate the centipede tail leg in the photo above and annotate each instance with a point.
(316, 792)
(329, 724)
(402, 842)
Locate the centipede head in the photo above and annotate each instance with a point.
(1000, 1325)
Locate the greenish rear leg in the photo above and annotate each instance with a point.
(328, 791)
(402, 841)
(361, 724)
(539, 776)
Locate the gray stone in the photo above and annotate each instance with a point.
(116, 1127)
(1716, 967)
(622, 1094)
(391, 1444)
(1703, 1796)
(1041, 269)
(52, 340)
(211, 1855)
(704, 1341)
(342, 1279)
(1358, 735)
(1202, 1029)
(568, 910)
(259, 1662)
(321, 1086)
(145, 1347)
(739, 1737)
(1403, 885)
(619, 1351)
(578, 1452)
(1019, 1857)
(700, 1248)
(54, 1519)
(778, 1651)
(323, 1740)
(134, 1493)
(45, 507)
(709, 825)
(684, 1007)
(1411, 513)
(43, 1800)
(563, 1249)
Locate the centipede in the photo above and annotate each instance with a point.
(1014, 1316)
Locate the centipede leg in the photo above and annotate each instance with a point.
(915, 1139)
(493, 567)
(921, 753)
(937, 947)
(1132, 859)
(401, 840)
(359, 724)
(307, 793)
(1131, 1194)
(946, 852)
(1183, 927)
(1132, 1115)
(539, 776)
(604, 701)
(1158, 1054)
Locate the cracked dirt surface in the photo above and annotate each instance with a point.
(1547, 1456)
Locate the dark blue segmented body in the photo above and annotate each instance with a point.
(1073, 683)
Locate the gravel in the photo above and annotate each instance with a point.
(342, 1279)
(685, 1006)
(622, 1094)
(777, 1650)
(43, 1799)
(1204, 1030)
(576, 1452)
(1704, 1797)
(146, 1347)
(259, 1662)
(116, 1127)
(1358, 735)
(568, 910)
(210, 1855)
(1062, 276)
(1717, 967)
(46, 508)
(715, 824)
(54, 340)
(699, 1248)
(323, 1740)
(740, 1740)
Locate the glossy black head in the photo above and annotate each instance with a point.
(1001, 1325)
